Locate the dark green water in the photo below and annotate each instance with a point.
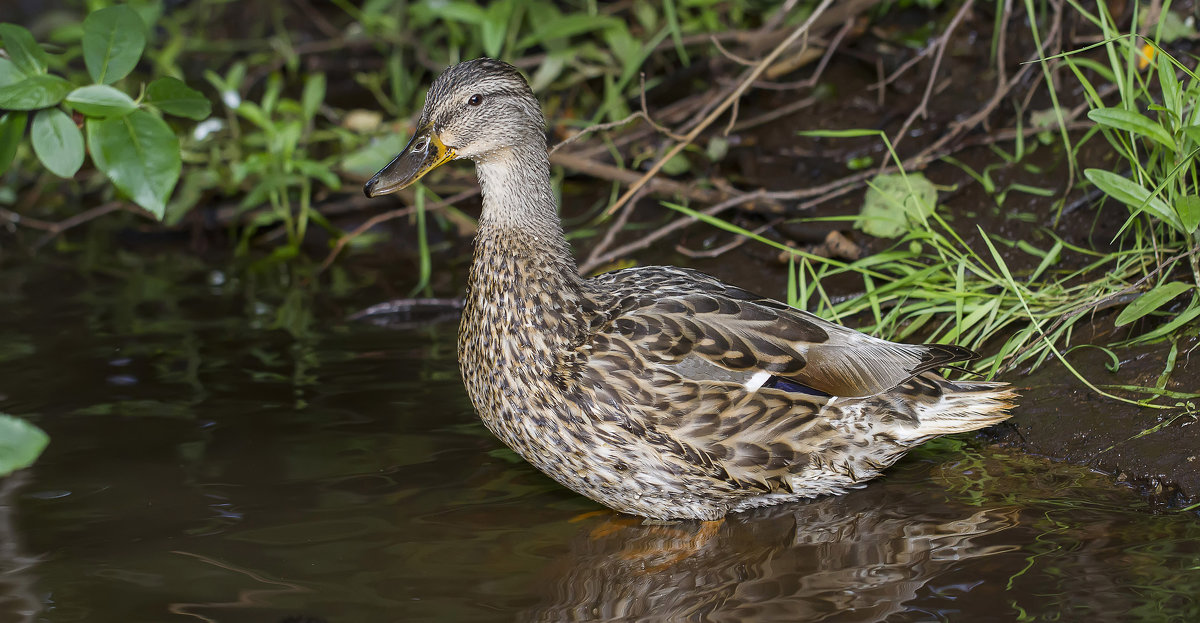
(235, 451)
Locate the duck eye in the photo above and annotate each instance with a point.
(475, 100)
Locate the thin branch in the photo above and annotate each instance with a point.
(942, 43)
(749, 79)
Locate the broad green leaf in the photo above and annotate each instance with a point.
(1132, 194)
(1188, 209)
(12, 129)
(57, 142)
(173, 97)
(34, 92)
(25, 53)
(140, 154)
(101, 100)
(113, 41)
(1151, 301)
(1131, 121)
(20, 444)
(314, 94)
(9, 73)
(892, 200)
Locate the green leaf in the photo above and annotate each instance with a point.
(57, 142)
(1188, 209)
(1131, 121)
(314, 94)
(1165, 71)
(1151, 301)
(26, 54)
(9, 74)
(366, 160)
(1193, 132)
(466, 12)
(34, 92)
(677, 165)
(20, 444)
(100, 100)
(495, 26)
(12, 129)
(173, 97)
(140, 154)
(113, 41)
(1132, 194)
(892, 200)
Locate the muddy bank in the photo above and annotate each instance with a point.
(1155, 451)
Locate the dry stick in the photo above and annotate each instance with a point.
(730, 55)
(626, 176)
(657, 234)
(79, 219)
(16, 218)
(729, 246)
(812, 80)
(751, 76)
(777, 113)
(943, 42)
(644, 113)
(387, 216)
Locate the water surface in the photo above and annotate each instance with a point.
(232, 449)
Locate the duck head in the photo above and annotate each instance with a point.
(478, 109)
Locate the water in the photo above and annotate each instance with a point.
(231, 449)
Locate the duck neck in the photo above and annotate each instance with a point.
(520, 220)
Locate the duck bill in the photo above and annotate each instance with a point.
(424, 153)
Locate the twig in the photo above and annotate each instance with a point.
(81, 218)
(811, 81)
(730, 55)
(749, 79)
(776, 113)
(600, 127)
(16, 218)
(653, 236)
(626, 176)
(942, 43)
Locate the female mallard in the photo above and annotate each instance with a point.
(659, 391)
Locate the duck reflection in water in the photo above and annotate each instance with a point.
(850, 558)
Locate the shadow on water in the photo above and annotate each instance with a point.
(230, 449)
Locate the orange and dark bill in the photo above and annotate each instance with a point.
(424, 153)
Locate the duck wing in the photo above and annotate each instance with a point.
(709, 330)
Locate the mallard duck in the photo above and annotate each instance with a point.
(659, 391)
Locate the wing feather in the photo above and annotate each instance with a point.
(676, 315)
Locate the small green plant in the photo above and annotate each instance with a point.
(130, 144)
(273, 159)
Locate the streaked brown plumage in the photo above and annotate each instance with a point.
(659, 391)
